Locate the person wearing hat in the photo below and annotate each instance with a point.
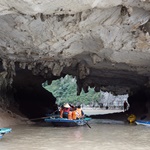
(65, 110)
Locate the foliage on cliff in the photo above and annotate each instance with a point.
(64, 90)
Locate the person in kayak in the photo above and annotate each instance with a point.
(79, 112)
(70, 112)
(65, 110)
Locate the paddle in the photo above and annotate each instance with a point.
(43, 117)
(39, 118)
(88, 125)
(86, 122)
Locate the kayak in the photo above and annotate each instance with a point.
(1, 136)
(4, 131)
(142, 122)
(67, 122)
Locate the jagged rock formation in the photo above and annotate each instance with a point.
(105, 44)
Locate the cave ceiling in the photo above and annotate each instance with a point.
(104, 43)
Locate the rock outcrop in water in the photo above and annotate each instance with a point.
(105, 44)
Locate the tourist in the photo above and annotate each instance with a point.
(65, 110)
(125, 106)
(79, 112)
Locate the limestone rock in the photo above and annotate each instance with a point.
(111, 37)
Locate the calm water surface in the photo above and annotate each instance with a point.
(103, 135)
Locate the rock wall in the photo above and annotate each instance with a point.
(90, 37)
(105, 44)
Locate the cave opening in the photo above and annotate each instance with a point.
(35, 98)
(33, 101)
(92, 102)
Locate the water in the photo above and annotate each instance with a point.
(103, 135)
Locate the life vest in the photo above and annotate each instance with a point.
(70, 115)
(78, 113)
(131, 118)
(74, 116)
(66, 112)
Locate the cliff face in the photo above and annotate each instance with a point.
(105, 44)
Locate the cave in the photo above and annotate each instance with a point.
(27, 95)
(105, 46)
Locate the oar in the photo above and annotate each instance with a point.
(39, 118)
(43, 117)
(88, 125)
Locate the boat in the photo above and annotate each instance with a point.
(1, 136)
(142, 122)
(57, 122)
(4, 131)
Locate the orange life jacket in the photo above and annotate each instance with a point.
(74, 116)
(78, 112)
(70, 115)
(62, 110)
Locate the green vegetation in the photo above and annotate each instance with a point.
(64, 90)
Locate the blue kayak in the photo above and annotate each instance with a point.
(67, 122)
(142, 122)
(4, 131)
(1, 136)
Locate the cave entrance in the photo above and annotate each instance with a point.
(65, 91)
(35, 98)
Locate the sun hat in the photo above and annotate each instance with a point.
(66, 105)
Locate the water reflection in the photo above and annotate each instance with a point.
(102, 135)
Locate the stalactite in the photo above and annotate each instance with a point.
(57, 69)
(79, 87)
(22, 65)
(3, 81)
(83, 70)
(85, 87)
(95, 58)
(97, 89)
(4, 62)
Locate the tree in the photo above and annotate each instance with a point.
(65, 88)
